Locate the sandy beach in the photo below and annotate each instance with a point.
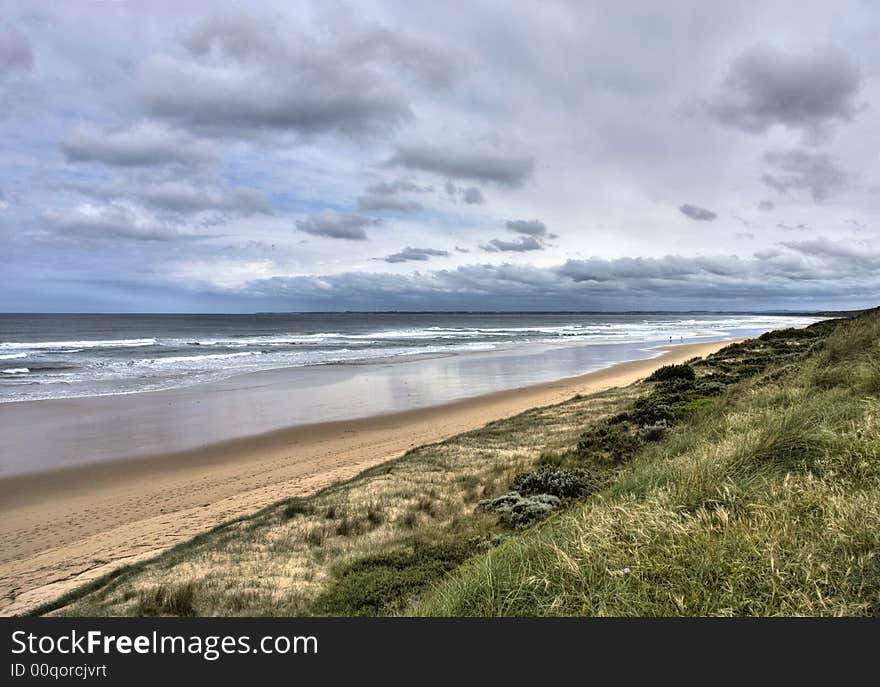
(63, 528)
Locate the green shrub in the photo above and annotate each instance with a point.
(654, 432)
(685, 408)
(668, 372)
(652, 409)
(612, 441)
(532, 509)
(521, 511)
(560, 482)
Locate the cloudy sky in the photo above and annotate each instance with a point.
(181, 156)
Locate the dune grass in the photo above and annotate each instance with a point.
(765, 503)
(742, 484)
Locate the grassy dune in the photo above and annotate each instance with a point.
(747, 483)
(766, 502)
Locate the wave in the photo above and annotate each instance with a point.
(16, 371)
(12, 356)
(269, 340)
(56, 345)
(193, 358)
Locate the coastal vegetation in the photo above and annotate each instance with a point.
(745, 483)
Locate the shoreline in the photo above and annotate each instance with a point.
(76, 431)
(70, 526)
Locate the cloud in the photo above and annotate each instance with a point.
(415, 254)
(695, 212)
(766, 206)
(243, 75)
(168, 111)
(16, 53)
(433, 66)
(746, 223)
(668, 267)
(141, 145)
(788, 272)
(109, 221)
(801, 170)
(390, 188)
(337, 225)
(793, 227)
(505, 170)
(473, 196)
(377, 203)
(855, 254)
(745, 235)
(524, 244)
(462, 250)
(470, 195)
(808, 91)
(530, 227)
(181, 197)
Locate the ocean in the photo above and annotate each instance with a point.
(49, 356)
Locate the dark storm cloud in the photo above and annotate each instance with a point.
(524, 244)
(808, 91)
(337, 225)
(697, 213)
(801, 170)
(478, 166)
(16, 53)
(415, 254)
(390, 188)
(142, 145)
(788, 272)
(530, 227)
(377, 203)
(668, 267)
(241, 75)
(110, 221)
(185, 198)
(766, 206)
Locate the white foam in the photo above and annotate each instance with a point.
(16, 371)
(193, 358)
(54, 345)
(12, 356)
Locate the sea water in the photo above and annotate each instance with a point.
(74, 355)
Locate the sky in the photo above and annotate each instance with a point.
(480, 155)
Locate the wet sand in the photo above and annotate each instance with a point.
(63, 528)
